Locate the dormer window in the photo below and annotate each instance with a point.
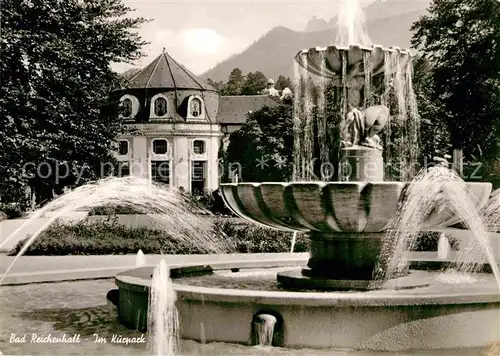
(199, 147)
(196, 109)
(122, 147)
(127, 107)
(160, 146)
(159, 106)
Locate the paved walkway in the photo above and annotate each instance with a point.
(34, 269)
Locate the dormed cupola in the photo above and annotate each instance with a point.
(166, 90)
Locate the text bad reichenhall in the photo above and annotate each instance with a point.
(74, 339)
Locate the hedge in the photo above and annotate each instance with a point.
(205, 203)
(103, 237)
(107, 236)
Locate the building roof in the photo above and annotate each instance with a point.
(233, 110)
(166, 73)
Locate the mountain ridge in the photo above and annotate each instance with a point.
(377, 10)
(273, 53)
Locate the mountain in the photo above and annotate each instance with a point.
(273, 53)
(317, 24)
(391, 8)
(377, 10)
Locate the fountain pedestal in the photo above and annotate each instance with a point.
(343, 255)
(339, 261)
(362, 164)
(344, 260)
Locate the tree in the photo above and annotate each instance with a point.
(461, 39)
(251, 84)
(58, 120)
(283, 83)
(217, 85)
(435, 137)
(234, 83)
(254, 83)
(264, 145)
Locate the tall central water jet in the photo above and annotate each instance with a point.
(351, 25)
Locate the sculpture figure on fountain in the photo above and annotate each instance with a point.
(361, 127)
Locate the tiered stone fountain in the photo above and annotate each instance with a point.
(346, 222)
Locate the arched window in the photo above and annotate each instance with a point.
(127, 107)
(160, 106)
(195, 107)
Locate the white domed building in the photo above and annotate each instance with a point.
(174, 124)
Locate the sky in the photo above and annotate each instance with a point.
(199, 34)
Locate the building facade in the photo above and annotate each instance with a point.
(174, 124)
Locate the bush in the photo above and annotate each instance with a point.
(110, 209)
(11, 211)
(202, 203)
(107, 237)
(210, 202)
(101, 238)
(251, 239)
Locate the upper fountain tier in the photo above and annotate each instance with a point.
(328, 61)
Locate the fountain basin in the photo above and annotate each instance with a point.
(334, 207)
(430, 317)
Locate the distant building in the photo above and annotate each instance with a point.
(271, 90)
(174, 124)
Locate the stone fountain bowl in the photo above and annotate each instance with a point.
(331, 207)
(327, 61)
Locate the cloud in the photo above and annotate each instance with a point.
(203, 41)
(198, 49)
